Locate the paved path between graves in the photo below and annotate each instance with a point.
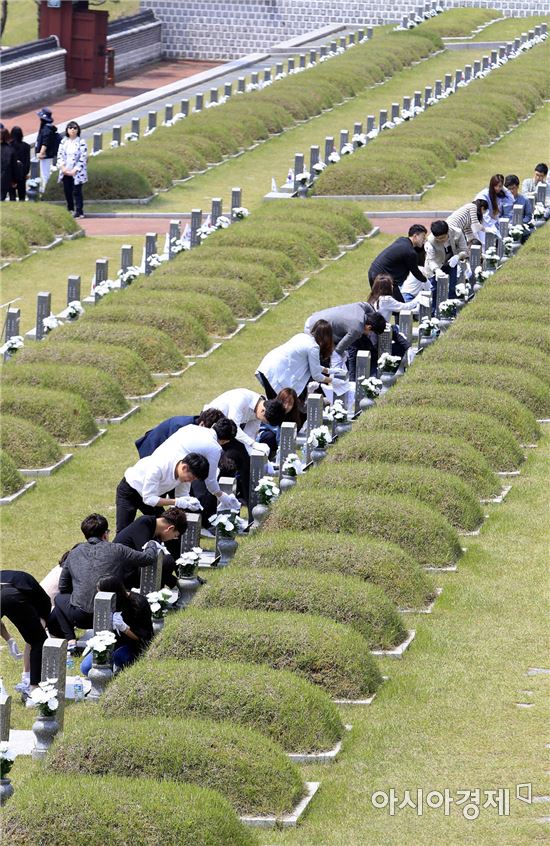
(140, 225)
(72, 105)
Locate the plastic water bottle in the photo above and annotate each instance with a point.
(78, 690)
(70, 662)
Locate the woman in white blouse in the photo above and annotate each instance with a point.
(382, 301)
(304, 358)
(72, 160)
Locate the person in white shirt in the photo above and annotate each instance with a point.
(192, 453)
(540, 176)
(249, 410)
(302, 359)
(384, 303)
(445, 247)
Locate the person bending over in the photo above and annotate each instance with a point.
(404, 256)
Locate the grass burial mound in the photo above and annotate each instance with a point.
(331, 655)
(384, 564)
(29, 445)
(67, 417)
(10, 480)
(249, 769)
(117, 811)
(345, 599)
(291, 711)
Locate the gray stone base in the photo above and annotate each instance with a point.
(327, 757)
(174, 374)
(151, 396)
(427, 609)
(285, 820)
(7, 500)
(396, 651)
(212, 349)
(499, 498)
(90, 442)
(114, 420)
(46, 471)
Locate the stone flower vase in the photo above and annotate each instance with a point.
(366, 402)
(426, 340)
(343, 427)
(227, 548)
(158, 624)
(259, 513)
(287, 482)
(388, 379)
(188, 586)
(6, 790)
(445, 322)
(45, 729)
(318, 454)
(100, 675)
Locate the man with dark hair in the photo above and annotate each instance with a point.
(248, 410)
(375, 324)
(348, 323)
(445, 247)
(511, 182)
(166, 529)
(83, 565)
(147, 444)
(529, 186)
(401, 258)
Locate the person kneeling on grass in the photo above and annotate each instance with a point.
(166, 529)
(131, 623)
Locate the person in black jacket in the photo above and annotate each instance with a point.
(166, 529)
(22, 152)
(131, 622)
(85, 563)
(401, 258)
(27, 606)
(46, 145)
(7, 155)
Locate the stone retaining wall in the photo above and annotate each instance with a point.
(29, 80)
(136, 47)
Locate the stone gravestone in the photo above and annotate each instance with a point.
(279, 67)
(126, 257)
(314, 153)
(150, 577)
(344, 137)
(343, 42)
(257, 465)
(385, 339)
(438, 87)
(298, 168)
(199, 102)
(135, 126)
(43, 310)
(216, 209)
(290, 65)
(394, 111)
(383, 118)
(485, 62)
(467, 73)
(168, 112)
(406, 325)
(362, 371)
(184, 107)
(540, 193)
(54, 666)
(517, 212)
(314, 409)
(313, 57)
(228, 484)
(360, 35)
(236, 201)
(192, 535)
(241, 84)
(324, 50)
(502, 51)
(254, 78)
(329, 146)
(475, 256)
(5, 716)
(101, 271)
(494, 57)
(406, 104)
(423, 311)
(477, 67)
(418, 99)
(101, 674)
(174, 234)
(333, 46)
(490, 240)
(150, 249)
(458, 77)
(405, 21)
(370, 123)
(503, 229)
(196, 223)
(448, 81)
(228, 89)
(442, 290)
(73, 289)
(523, 37)
(302, 60)
(97, 143)
(357, 128)
(287, 443)
(427, 94)
(369, 32)
(213, 95)
(13, 321)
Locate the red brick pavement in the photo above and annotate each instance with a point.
(74, 105)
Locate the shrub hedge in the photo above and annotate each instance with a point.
(390, 163)
(251, 770)
(11, 480)
(156, 348)
(67, 417)
(507, 410)
(27, 444)
(239, 296)
(185, 330)
(289, 710)
(328, 654)
(415, 527)
(446, 493)
(138, 168)
(488, 437)
(28, 226)
(380, 562)
(453, 455)
(488, 352)
(528, 389)
(213, 314)
(118, 811)
(345, 599)
(124, 365)
(99, 390)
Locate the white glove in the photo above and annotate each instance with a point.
(424, 299)
(467, 272)
(118, 623)
(453, 261)
(189, 503)
(270, 468)
(228, 502)
(13, 649)
(259, 447)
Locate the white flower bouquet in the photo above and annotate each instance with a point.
(267, 490)
(228, 525)
(304, 176)
(463, 290)
(7, 757)
(205, 230)
(240, 212)
(101, 644)
(538, 211)
(334, 157)
(448, 309)
(480, 276)
(292, 465)
(491, 256)
(154, 260)
(45, 697)
(371, 387)
(126, 277)
(12, 345)
(319, 438)
(319, 167)
(347, 149)
(360, 139)
(188, 562)
(178, 245)
(73, 310)
(508, 245)
(158, 601)
(50, 322)
(429, 326)
(223, 222)
(131, 136)
(388, 363)
(336, 411)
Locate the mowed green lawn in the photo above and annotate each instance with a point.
(22, 23)
(510, 28)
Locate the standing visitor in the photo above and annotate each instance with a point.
(72, 159)
(22, 153)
